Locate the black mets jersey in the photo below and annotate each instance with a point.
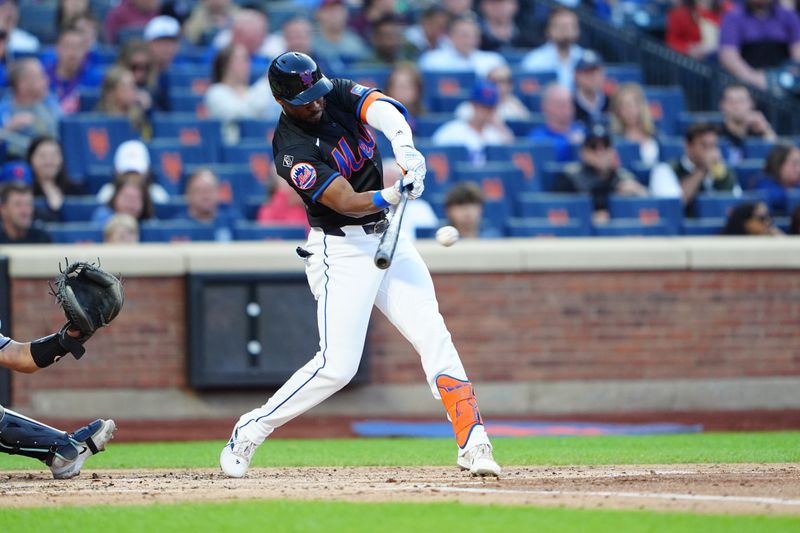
(309, 157)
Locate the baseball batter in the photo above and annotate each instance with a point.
(324, 150)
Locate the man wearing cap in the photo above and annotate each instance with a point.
(591, 102)
(598, 173)
(482, 127)
(162, 35)
(130, 14)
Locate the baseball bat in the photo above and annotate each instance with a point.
(385, 252)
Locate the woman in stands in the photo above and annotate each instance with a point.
(119, 97)
(405, 85)
(631, 121)
(232, 98)
(750, 219)
(135, 56)
(50, 180)
(693, 27)
(781, 175)
(130, 197)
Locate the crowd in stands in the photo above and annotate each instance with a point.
(150, 120)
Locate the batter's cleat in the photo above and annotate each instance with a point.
(85, 442)
(236, 456)
(479, 461)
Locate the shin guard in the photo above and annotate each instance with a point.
(25, 436)
(462, 407)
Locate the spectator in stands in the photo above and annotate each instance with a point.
(371, 10)
(203, 206)
(559, 126)
(405, 85)
(462, 53)
(499, 31)
(599, 173)
(334, 34)
(207, 19)
(418, 214)
(560, 53)
(463, 205)
(232, 98)
(756, 37)
(71, 70)
(129, 196)
(781, 175)
(741, 120)
(121, 228)
(129, 15)
(750, 219)
(387, 43)
(794, 223)
(162, 35)
(283, 205)
(298, 34)
(701, 169)
(431, 30)
(458, 8)
(68, 10)
(251, 28)
(135, 56)
(591, 102)
(693, 27)
(88, 25)
(119, 97)
(4, 56)
(483, 127)
(50, 180)
(28, 110)
(631, 120)
(509, 106)
(132, 162)
(19, 41)
(16, 216)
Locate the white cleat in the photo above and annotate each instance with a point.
(236, 456)
(479, 461)
(88, 440)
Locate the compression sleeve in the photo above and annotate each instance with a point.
(385, 117)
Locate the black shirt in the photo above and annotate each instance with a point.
(34, 236)
(309, 158)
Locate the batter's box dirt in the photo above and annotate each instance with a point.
(722, 488)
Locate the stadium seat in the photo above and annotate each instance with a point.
(190, 131)
(174, 208)
(39, 18)
(170, 158)
(631, 228)
(702, 226)
(75, 232)
(189, 78)
(252, 231)
(175, 231)
(670, 148)
(719, 205)
(369, 76)
(186, 101)
(440, 161)
(528, 157)
(447, 83)
(257, 130)
(542, 227)
(531, 83)
(88, 99)
(557, 209)
(666, 104)
(258, 156)
(622, 73)
(792, 200)
(628, 151)
(747, 170)
(687, 118)
(428, 124)
(90, 139)
(757, 148)
(79, 208)
(446, 103)
(237, 184)
(522, 126)
(662, 212)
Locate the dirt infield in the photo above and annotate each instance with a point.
(729, 488)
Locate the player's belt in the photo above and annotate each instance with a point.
(369, 228)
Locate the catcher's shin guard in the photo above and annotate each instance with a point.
(462, 407)
(25, 436)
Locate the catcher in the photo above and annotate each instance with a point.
(91, 298)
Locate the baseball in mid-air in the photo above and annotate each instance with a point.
(447, 235)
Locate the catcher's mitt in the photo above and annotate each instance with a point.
(91, 298)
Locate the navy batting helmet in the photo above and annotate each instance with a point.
(295, 78)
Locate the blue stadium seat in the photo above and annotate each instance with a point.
(618, 73)
(446, 103)
(687, 118)
(702, 226)
(557, 208)
(258, 156)
(75, 232)
(521, 127)
(666, 104)
(628, 152)
(88, 99)
(666, 212)
(719, 205)
(39, 18)
(631, 228)
(189, 78)
(170, 158)
(541, 227)
(168, 211)
(90, 139)
(440, 161)
(175, 231)
(528, 157)
(428, 124)
(757, 148)
(190, 131)
(252, 231)
(747, 170)
(531, 83)
(260, 130)
(447, 83)
(641, 171)
(186, 101)
(670, 148)
(369, 76)
(793, 200)
(551, 170)
(237, 184)
(79, 208)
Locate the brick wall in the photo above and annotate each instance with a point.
(515, 326)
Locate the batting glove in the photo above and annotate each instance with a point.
(412, 162)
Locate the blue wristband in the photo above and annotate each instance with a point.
(379, 200)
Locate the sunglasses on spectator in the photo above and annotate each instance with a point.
(3, 34)
(140, 66)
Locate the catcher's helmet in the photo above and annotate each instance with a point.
(295, 78)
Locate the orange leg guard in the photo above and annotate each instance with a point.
(462, 407)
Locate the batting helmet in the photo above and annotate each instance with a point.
(295, 78)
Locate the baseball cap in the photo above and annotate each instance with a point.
(589, 59)
(597, 132)
(162, 27)
(485, 93)
(17, 171)
(132, 156)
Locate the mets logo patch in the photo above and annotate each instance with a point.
(358, 90)
(303, 175)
